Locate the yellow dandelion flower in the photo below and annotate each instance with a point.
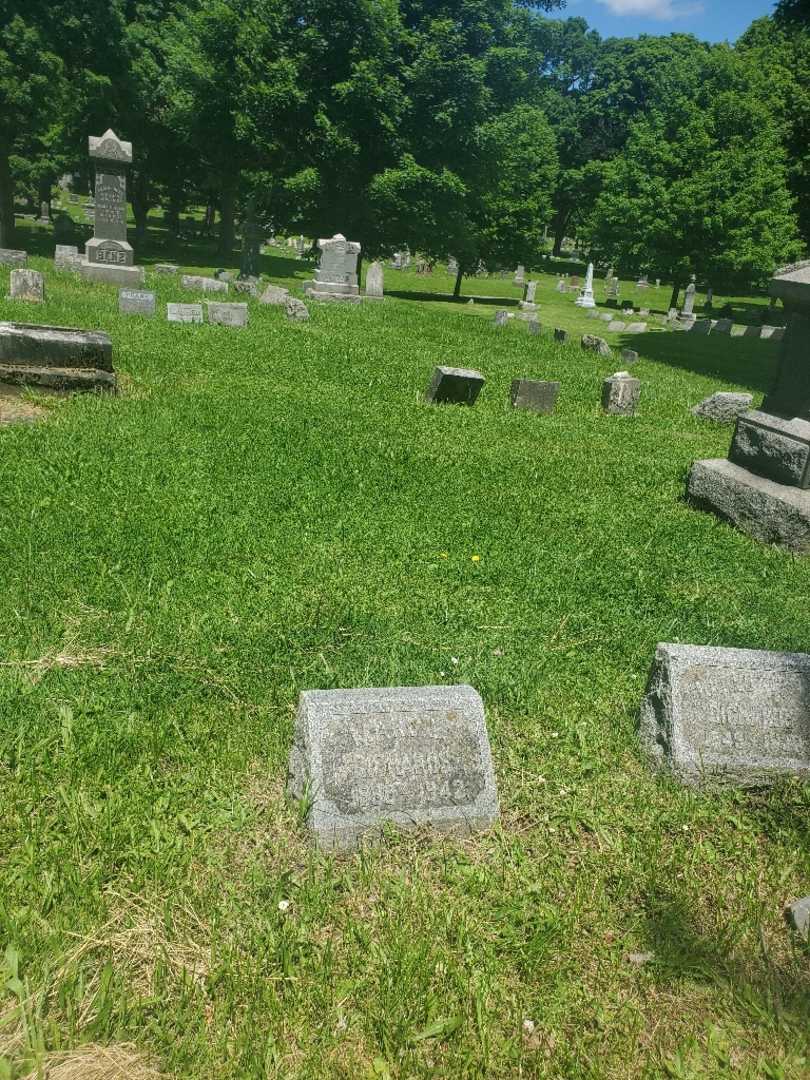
(476, 558)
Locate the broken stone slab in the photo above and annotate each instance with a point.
(412, 756)
(10, 257)
(274, 294)
(797, 916)
(592, 343)
(55, 356)
(723, 407)
(535, 395)
(620, 394)
(28, 285)
(203, 284)
(769, 512)
(454, 386)
(227, 314)
(297, 310)
(184, 313)
(733, 716)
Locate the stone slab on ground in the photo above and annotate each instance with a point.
(414, 756)
(738, 716)
(771, 513)
(724, 406)
(166, 268)
(12, 257)
(454, 386)
(274, 294)
(616, 324)
(113, 275)
(203, 284)
(592, 343)
(536, 395)
(297, 310)
(184, 313)
(227, 314)
(136, 302)
(636, 328)
(55, 356)
(26, 285)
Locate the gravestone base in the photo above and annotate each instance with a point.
(769, 512)
(334, 290)
(56, 357)
(55, 378)
(113, 275)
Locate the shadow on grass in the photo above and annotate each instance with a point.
(749, 362)
(448, 298)
(683, 950)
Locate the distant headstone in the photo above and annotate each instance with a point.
(520, 275)
(585, 298)
(658, 283)
(535, 395)
(613, 289)
(797, 916)
(528, 302)
(561, 286)
(136, 302)
(454, 386)
(501, 318)
(374, 279)
(643, 282)
(297, 310)
(723, 407)
(709, 298)
(534, 325)
(274, 294)
(413, 756)
(636, 327)
(738, 716)
(605, 316)
(616, 325)
(752, 331)
(227, 314)
(452, 265)
(185, 313)
(44, 213)
(166, 268)
(246, 287)
(768, 331)
(723, 326)
(560, 335)
(223, 275)
(701, 326)
(620, 394)
(63, 227)
(629, 356)
(10, 257)
(26, 285)
(336, 276)
(592, 343)
(109, 248)
(689, 299)
(66, 257)
(55, 357)
(203, 284)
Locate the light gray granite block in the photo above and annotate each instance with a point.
(737, 716)
(413, 756)
(724, 407)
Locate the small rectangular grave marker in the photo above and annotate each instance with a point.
(535, 395)
(730, 715)
(10, 257)
(409, 755)
(227, 314)
(454, 386)
(66, 257)
(136, 302)
(26, 285)
(203, 284)
(620, 394)
(186, 313)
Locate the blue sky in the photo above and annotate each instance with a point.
(710, 20)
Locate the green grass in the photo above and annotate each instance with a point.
(275, 509)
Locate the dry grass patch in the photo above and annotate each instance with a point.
(94, 1062)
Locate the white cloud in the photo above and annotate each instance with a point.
(664, 10)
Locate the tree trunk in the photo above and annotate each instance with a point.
(6, 200)
(227, 205)
(559, 227)
(140, 204)
(676, 292)
(457, 289)
(174, 209)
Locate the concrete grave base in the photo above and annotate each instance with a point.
(772, 513)
(55, 378)
(349, 298)
(113, 275)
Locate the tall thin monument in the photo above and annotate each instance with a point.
(109, 256)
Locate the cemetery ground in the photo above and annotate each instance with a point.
(273, 509)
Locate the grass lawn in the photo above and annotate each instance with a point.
(274, 509)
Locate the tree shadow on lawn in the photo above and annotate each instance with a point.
(748, 362)
(681, 949)
(448, 298)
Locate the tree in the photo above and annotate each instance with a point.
(700, 186)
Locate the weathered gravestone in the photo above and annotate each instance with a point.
(109, 256)
(203, 284)
(620, 394)
(629, 356)
(592, 343)
(724, 407)
(520, 275)
(336, 276)
(797, 916)
(501, 318)
(528, 302)
(374, 280)
(740, 716)
(136, 302)
(454, 386)
(56, 357)
(535, 395)
(764, 486)
(246, 286)
(689, 301)
(296, 310)
(26, 285)
(413, 756)
(63, 227)
(10, 257)
(274, 294)
(67, 257)
(166, 268)
(184, 313)
(227, 314)
(616, 325)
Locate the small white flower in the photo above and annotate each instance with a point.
(284, 905)
(454, 660)
(528, 1027)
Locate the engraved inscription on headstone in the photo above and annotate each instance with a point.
(740, 716)
(109, 245)
(136, 302)
(184, 313)
(409, 755)
(227, 314)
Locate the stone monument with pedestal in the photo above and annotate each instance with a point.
(336, 276)
(764, 486)
(585, 298)
(108, 256)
